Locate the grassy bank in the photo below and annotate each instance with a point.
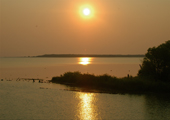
(109, 84)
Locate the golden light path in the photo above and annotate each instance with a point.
(85, 60)
(87, 110)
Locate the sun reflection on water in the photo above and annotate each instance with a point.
(85, 60)
(87, 109)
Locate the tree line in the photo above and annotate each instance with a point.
(156, 63)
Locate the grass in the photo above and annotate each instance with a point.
(108, 84)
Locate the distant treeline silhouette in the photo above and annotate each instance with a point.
(87, 55)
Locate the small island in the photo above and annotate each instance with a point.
(88, 55)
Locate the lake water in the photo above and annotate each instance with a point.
(46, 68)
(28, 100)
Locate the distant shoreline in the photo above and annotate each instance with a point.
(76, 55)
(87, 55)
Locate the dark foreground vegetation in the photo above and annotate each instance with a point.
(153, 76)
(156, 63)
(107, 84)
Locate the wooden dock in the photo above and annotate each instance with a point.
(30, 79)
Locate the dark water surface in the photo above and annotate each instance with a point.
(28, 100)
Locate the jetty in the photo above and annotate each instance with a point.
(30, 79)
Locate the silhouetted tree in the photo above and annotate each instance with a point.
(156, 63)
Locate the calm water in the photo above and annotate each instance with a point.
(46, 68)
(28, 100)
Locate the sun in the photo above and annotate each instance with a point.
(86, 11)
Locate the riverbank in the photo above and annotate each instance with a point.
(108, 84)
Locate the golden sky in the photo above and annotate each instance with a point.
(35, 27)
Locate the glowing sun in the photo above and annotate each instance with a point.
(86, 11)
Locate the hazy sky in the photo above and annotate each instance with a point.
(35, 27)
